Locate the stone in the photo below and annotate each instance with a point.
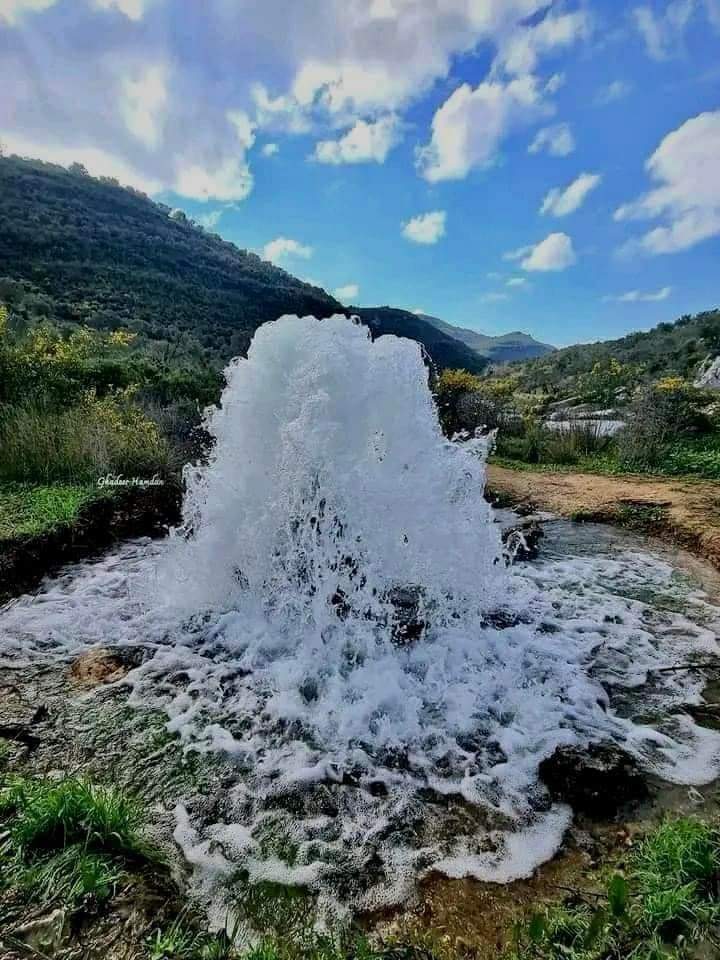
(522, 541)
(100, 666)
(598, 780)
(45, 935)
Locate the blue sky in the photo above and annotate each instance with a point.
(502, 164)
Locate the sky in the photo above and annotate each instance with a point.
(552, 167)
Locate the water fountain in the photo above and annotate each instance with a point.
(336, 617)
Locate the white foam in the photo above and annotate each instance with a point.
(269, 617)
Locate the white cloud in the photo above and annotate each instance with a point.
(142, 102)
(637, 296)
(560, 202)
(469, 127)
(685, 167)
(97, 162)
(425, 228)
(229, 181)
(520, 52)
(11, 11)
(616, 90)
(210, 219)
(663, 33)
(557, 140)
(270, 149)
(133, 9)
(363, 143)
(516, 282)
(517, 254)
(554, 253)
(494, 297)
(555, 83)
(283, 247)
(347, 293)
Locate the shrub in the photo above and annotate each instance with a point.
(661, 414)
(82, 442)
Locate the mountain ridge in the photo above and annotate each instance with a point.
(83, 250)
(505, 348)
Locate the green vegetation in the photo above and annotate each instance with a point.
(68, 841)
(670, 427)
(670, 349)
(27, 510)
(662, 905)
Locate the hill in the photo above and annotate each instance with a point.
(503, 349)
(670, 349)
(78, 249)
(445, 350)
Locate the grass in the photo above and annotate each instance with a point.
(697, 459)
(29, 510)
(664, 902)
(68, 841)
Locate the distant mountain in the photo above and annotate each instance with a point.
(80, 249)
(503, 349)
(444, 349)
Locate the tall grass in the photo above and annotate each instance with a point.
(80, 443)
(574, 442)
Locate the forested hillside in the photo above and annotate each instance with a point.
(79, 250)
(670, 349)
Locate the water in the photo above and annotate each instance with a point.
(368, 753)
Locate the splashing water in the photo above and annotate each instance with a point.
(335, 615)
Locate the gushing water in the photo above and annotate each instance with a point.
(335, 614)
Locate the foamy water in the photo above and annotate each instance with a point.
(271, 626)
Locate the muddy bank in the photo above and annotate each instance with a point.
(682, 512)
(131, 512)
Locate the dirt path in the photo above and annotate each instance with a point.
(686, 512)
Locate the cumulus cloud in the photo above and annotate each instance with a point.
(554, 253)
(557, 140)
(468, 128)
(11, 11)
(616, 90)
(133, 9)
(363, 143)
(559, 202)
(347, 293)
(270, 149)
(687, 196)
(282, 247)
(98, 162)
(425, 228)
(637, 296)
(142, 101)
(662, 33)
(336, 64)
(516, 282)
(520, 51)
(210, 219)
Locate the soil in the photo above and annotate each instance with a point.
(686, 512)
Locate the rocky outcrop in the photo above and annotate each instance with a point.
(598, 780)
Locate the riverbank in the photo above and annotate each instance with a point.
(42, 528)
(683, 511)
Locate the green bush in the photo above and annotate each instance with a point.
(82, 442)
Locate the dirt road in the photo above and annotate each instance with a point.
(682, 511)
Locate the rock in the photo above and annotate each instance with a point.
(522, 541)
(100, 666)
(708, 377)
(45, 935)
(408, 623)
(598, 780)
